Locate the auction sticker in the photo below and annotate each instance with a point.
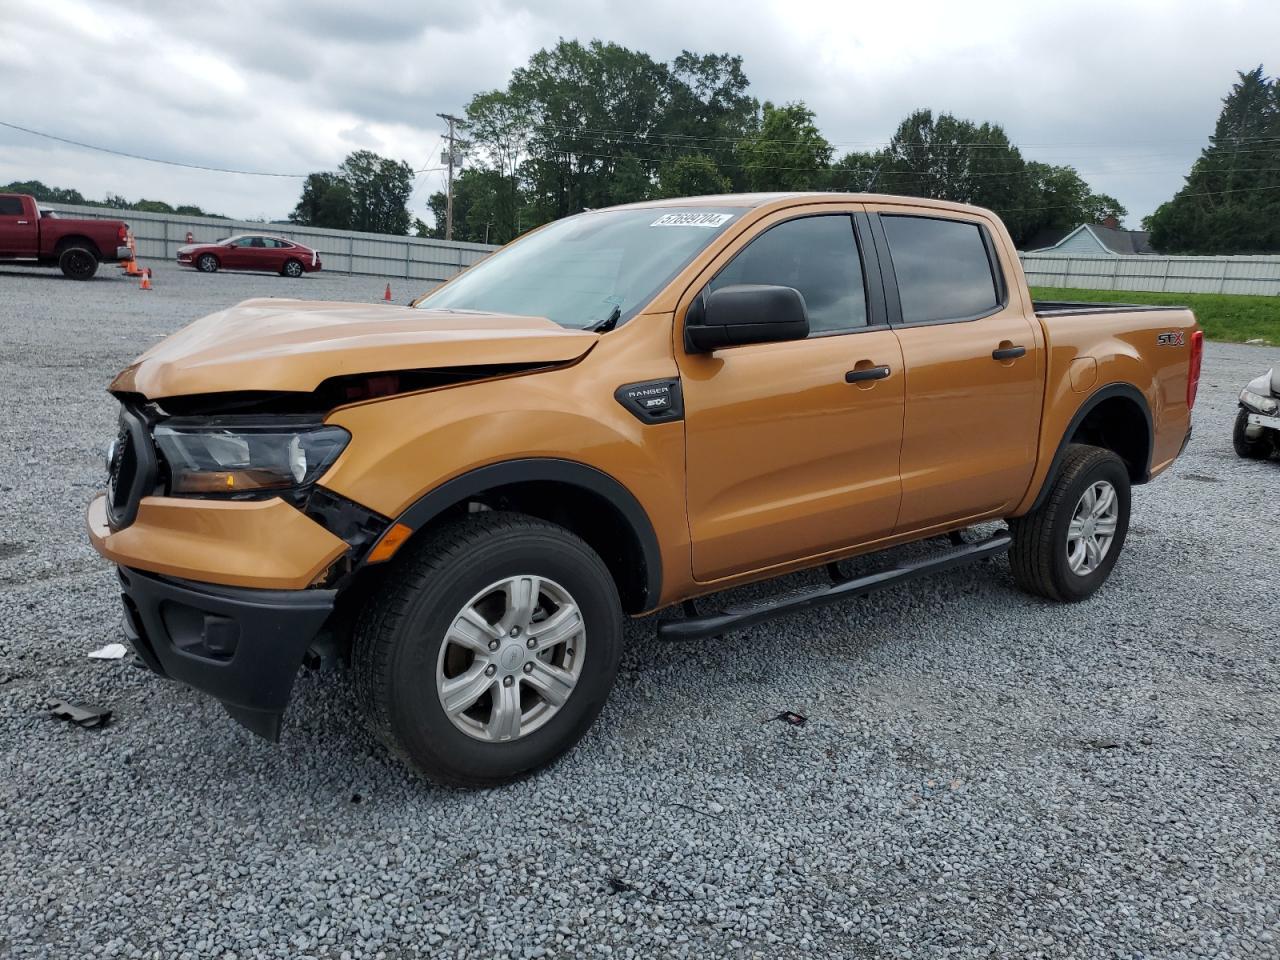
(692, 220)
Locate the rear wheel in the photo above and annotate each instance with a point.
(78, 262)
(207, 263)
(292, 268)
(490, 649)
(1065, 548)
(1256, 447)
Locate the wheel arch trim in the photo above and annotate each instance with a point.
(543, 469)
(1099, 396)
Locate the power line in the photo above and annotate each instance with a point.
(643, 135)
(897, 173)
(137, 156)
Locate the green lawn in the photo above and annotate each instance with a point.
(1224, 316)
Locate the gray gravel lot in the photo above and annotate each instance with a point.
(983, 774)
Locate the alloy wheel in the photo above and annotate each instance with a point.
(1092, 528)
(511, 658)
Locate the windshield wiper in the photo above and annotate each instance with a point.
(609, 322)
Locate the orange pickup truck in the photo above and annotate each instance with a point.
(618, 413)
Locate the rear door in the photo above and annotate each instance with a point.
(19, 228)
(787, 458)
(277, 252)
(974, 365)
(254, 254)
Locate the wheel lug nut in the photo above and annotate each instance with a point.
(508, 681)
(528, 668)
(515, 631)
(490, 670)
(531, 642)
(493, 644)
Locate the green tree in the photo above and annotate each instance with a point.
(367, 192)
(380, 191)
(692, 175)
(481, 209)
(952, 159)
(1230, 202)
(1058, 198)
(709, 111)
(44, 194)
(788, 152)
(325, 202)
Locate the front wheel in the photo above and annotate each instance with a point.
(1065, 548)
(1257, 447)
(207, 263)
(490, 648)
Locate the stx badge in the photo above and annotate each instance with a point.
(1173, 338)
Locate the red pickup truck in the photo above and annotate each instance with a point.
(30, 235)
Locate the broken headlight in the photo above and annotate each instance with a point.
(243, 457)
(1258, 403)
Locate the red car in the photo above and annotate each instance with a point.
(251, 252)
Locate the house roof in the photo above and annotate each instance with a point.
(1112, 239)
(1122, 241)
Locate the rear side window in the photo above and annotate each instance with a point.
(942, 267)
(10, 207)
(816, 255)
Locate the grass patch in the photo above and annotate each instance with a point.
(1234, 317)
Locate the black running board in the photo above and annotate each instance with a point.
(746, 615)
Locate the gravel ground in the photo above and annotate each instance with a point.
(983, 774)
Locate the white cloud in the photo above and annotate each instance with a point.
(1127, 93)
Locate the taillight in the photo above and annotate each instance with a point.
(124, 233)
(1193, 367)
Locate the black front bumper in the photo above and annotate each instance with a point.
(242, 646)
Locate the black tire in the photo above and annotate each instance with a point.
(1038, 555)
(207, 263)
(292, 268)
(78, 262)
(1258, 449)
(398, 638)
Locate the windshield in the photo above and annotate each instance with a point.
(581, 270)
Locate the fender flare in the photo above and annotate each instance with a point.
(1127, 390)
(509, 472)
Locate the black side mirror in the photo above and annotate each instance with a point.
(745, 313)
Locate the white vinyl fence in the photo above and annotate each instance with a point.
(1255, 275)
(160, 234)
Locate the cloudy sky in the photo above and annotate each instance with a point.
(1125, 91)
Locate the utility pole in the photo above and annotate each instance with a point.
(448, 217)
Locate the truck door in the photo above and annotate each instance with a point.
(786, 456)
(19, 228)
(974, 365)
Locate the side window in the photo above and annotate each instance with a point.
(10, 207)
(816, 255)
(253, 242)
(942, 267)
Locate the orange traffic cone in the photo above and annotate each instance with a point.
(387, 296)
(146, 280)
(131, 268)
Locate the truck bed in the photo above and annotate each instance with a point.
(1062, 308)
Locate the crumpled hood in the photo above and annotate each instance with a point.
(278, 344)
(1266, 385)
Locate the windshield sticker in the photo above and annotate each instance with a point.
(692, 220)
